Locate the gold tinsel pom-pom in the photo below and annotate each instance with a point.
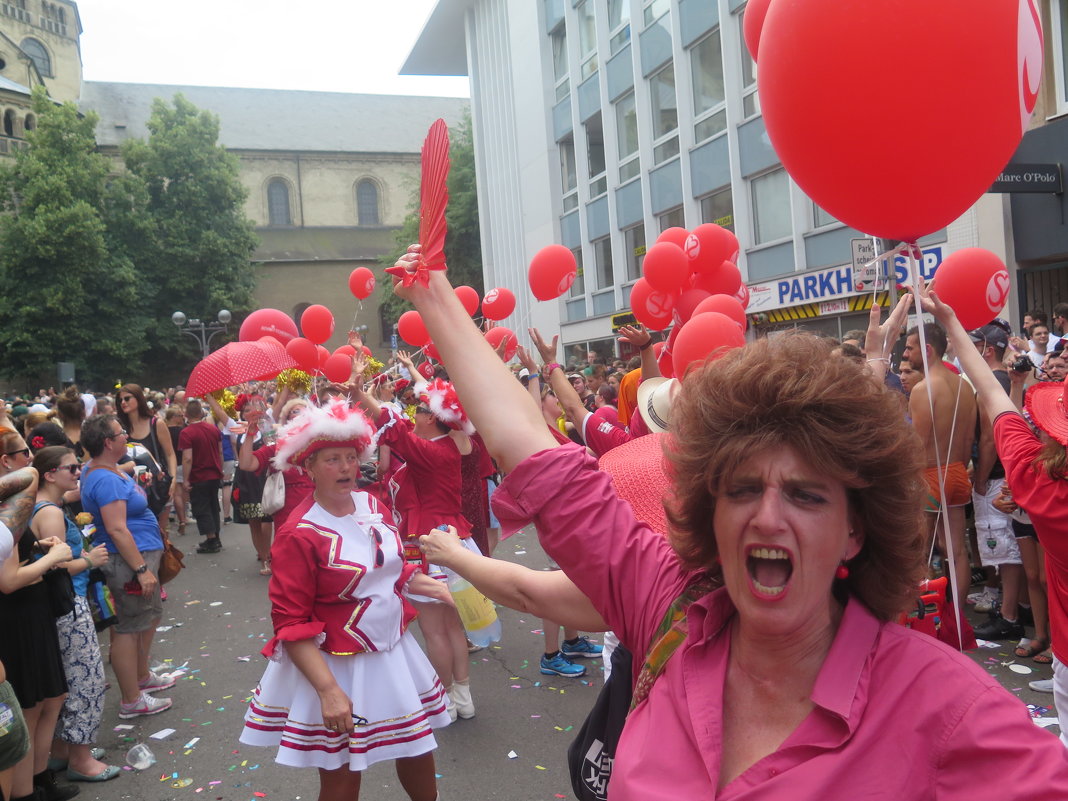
(373, 368)
(226, 399)
(298, 381)
(83, 519)
(409, 412)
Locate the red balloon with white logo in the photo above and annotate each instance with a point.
(687, 304)
(652, 308)
(975, 283)
(268, 322)
(742, 296)
(708, 246)
(704, 338)
(498, 303)
(361, 282)
(412, 330)
(552, 271)
(899, 132)
(324, 354)
(498, 334)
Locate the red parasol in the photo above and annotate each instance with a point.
(237, 362)
(433, 200)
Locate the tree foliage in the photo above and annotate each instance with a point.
(463, 243)
(71, 289)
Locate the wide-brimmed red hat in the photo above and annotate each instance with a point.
(334, 425)
(638, 473)
(1045, 402)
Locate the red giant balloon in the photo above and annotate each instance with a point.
(268, 322)
(705, 338)
(552, 271)
(742, 296)
(411, 329)
(688, 302)
(338, 367)
(753, 22)
(674, 235)
(666, 267)
(468, 296)
(975, 283)
(958, 91)
(725, 305)
(653, 309)
(725, 280)
(304, 353)
(499, 333)
(498, 303)
(430, 349)
(362, 282)
(317, 323)
(708, 246)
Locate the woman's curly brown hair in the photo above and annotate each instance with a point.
(791, 392)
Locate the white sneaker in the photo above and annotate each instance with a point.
(1041, 685)
(985, 599)
(451, 706)
(460, 695)
(145, 705)
(156, 683)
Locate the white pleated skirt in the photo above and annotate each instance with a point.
(397, 702)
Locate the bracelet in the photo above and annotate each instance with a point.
(553, 366)
(879, 360)
(88, 562)
(647, 345)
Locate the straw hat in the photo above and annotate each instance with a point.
(1045, 403)
(638, 473)
(654, 402)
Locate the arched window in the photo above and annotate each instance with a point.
(367, 203)
(37, 52)
(9, 123)
(278, 203)
(30, 123)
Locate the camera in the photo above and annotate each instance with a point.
(1023, 364)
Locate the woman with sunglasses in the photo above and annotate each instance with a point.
(347, 685)
(29, 644)
(149, 430)
(79, 720)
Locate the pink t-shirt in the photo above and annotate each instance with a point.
(898, 716)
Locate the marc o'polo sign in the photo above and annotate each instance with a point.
(1029, 178)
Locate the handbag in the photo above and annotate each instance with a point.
(170, 561)
(591, 755)
(274, 493)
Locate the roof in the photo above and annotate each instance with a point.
(277, 119)
(11, 86)
(441, 48)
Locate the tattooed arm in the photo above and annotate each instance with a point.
(18, 490)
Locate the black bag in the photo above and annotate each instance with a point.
(60, 591)
(151, 477)
(590, 756)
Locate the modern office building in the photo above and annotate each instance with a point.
(599, 123)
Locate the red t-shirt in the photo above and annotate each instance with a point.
(1044, 499)
(205, 442)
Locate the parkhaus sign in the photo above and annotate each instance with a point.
(832, 283)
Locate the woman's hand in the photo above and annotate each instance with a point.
(1004, 502)
(636, 335)
(149, 583)
(337, 710)
(527, 359)
(409, 261)
(99, 555)
(58, 550)
(441, 547)
(355, 340)
(422, 584)
(879, 340)
(547, 351)
(405, 359)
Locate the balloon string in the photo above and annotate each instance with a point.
(356, 316)
(942, 515)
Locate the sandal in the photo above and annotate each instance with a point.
(266, 569)
(1044, 658)
(1028, 648)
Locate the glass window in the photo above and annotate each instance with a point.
(627, 126)
(595, 156)
(578, 286)
(718, 208)
(706, 59)
(367, 203)
(673, 218)
(568, 171)
(587, 37)
(618, 23)
(750, 99)
(278, 203)
(602, 259)
(771, 206)
(665, 107)
(37, 52)
(710, 126)
(654, 10)
(820, 217)
(634, 245)
(559, 42)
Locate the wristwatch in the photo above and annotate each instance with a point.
(142, 569)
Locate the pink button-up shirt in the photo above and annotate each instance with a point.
(898, 716)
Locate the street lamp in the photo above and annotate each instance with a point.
(200, 331)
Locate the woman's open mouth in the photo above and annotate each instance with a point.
(769, 569)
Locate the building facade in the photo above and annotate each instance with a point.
(599, 123)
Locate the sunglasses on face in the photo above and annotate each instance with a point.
(423, 410)
(126, 398)
(22, 451)
(71, 468)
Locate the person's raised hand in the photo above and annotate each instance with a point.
(408, 262)
(636, 335)
(547, 351)
(526, 358)
(879, 339)
(355, 340)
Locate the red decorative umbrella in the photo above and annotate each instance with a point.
(237, 362)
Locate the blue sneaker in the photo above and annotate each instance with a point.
(582, 649)
(560, 665)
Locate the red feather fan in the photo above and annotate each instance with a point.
(433, 200)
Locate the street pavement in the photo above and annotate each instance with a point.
(216, 620)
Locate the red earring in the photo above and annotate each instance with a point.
(842, 571)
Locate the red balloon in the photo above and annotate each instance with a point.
(552, 271)
(430, 349)
(705, 338)
(362, 282)
(348, 350)
(658, 348)
(324, 354)
(499, 333)
(742, 296)
(653, 309)
(411, 329)
(304, 353)
(725, 305)
(975, 283)
(663, 359)
(366, 351)
(338, 367)
(687, 303)
(972, 67)
(268, 322)
(426, 370)
(723, 281)
(468, 296)
(753, 22)
(666, 267)
(271, 340)
(317, 323)
(498, 304)
(675, 235)
(708, 246)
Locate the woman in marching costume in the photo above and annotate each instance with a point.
(347, 685)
